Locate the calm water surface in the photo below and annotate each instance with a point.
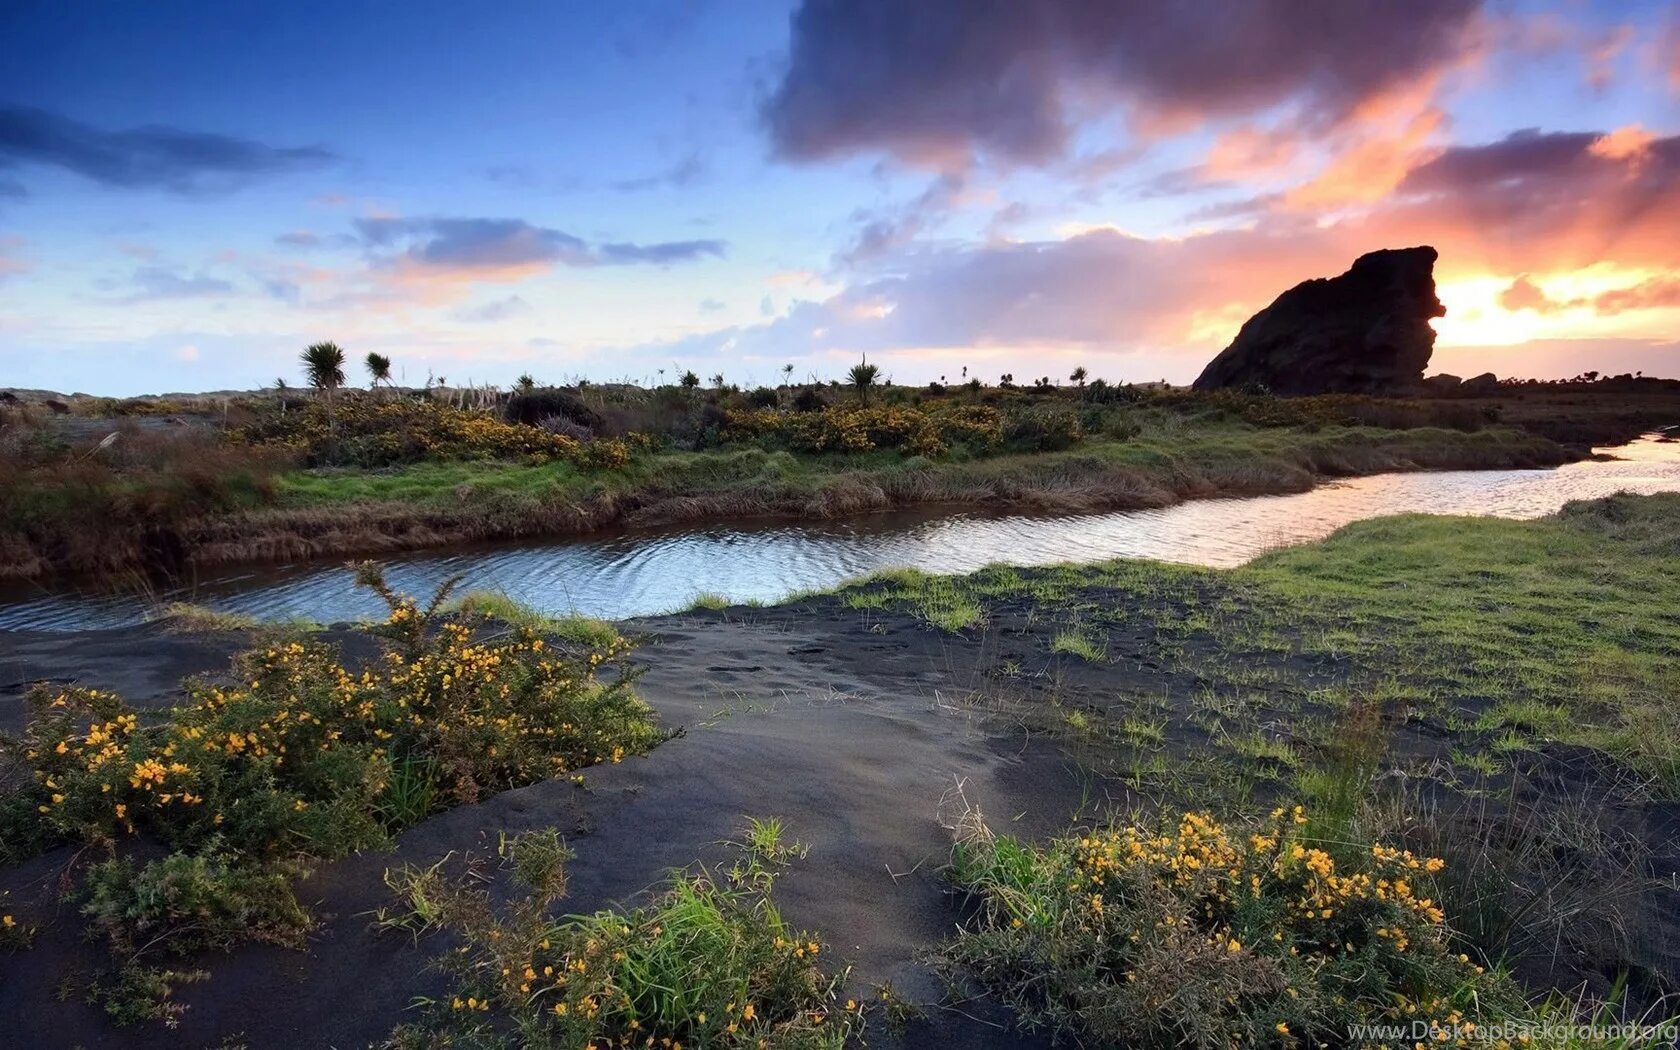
(646, 572)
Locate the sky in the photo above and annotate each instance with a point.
(190, 193)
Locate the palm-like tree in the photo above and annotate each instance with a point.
(378, 369)
(1079, 375)
(862, 377)
(323, 366)
(525, 384)
(690, 380)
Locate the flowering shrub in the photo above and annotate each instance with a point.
(1193, 935)
(370, 433)
(853, 428)
(707, 962)
(303, 758)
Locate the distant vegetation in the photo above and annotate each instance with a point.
(109, 486)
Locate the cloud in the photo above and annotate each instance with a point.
(152, 157)
(1598, 213)
(711, 306)
(1654, 293)
(1524, 294)
(499, 310)
(941, 81)
(298, 239)
(157, 282)
(685, 172)
(10, 265)
(881, 230)
(506, 249)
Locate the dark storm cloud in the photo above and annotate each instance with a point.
(491, 245)
(154, 156)
(941, 80)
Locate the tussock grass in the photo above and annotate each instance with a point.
(495, 605)
(187, 618)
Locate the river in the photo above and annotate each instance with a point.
(643, 572)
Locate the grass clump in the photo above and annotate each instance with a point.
(187, 618)
(577, 630)
(1080, 644)
(299, 759)
(1192, 934)
(706, 961)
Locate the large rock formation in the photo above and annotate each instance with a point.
(1365, 332)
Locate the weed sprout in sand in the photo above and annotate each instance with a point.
(298, 759)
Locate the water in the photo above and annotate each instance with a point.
(645, 572)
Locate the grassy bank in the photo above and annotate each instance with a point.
(325, 513)
(1495, 693)
(281, 478)
(1422, 772)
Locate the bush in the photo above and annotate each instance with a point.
(537, 405)
(854, 428)
(189, 902)
(1192, 935)
(708, 961)
(381, 433)
(1046, 429)
(301, 759)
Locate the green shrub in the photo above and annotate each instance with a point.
(708, 961)
(1044, 429)
(184, 903)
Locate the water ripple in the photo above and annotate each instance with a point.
(652, 571)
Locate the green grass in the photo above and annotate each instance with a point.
(1077, 643)
(705, 960)
(495, 605)
(1522, 633)
(188, 618)
(1229, 453)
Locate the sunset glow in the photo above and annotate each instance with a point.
(608, 193)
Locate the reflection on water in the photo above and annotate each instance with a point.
(648, 572)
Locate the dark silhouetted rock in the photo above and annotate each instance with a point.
(1365, 332)
(1444, 383)
(59, 408)
(1486, 383)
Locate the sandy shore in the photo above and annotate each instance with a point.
(851, 724)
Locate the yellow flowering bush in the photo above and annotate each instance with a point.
(707, 962)
(1192, 934)
(856, 428)
(301, 757)
(378, 433)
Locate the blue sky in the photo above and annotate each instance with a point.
(189, 193)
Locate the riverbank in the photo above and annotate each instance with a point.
(1492, 692)
(337, 513)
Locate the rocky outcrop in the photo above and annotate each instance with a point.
(1443, 383)
(1365, 332)
(1486, 383)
